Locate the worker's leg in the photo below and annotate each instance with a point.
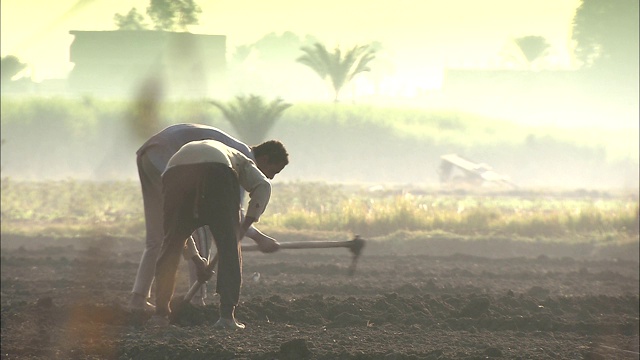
(223, 217)
(167, 266)
(151, 185)
(179, 192)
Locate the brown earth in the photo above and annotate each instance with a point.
(434, 298)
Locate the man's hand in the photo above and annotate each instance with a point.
(201, 268)
(267, 244)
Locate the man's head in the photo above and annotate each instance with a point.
(271, 157)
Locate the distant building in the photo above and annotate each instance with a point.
(119, 63)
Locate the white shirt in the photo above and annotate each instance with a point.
(249, 176)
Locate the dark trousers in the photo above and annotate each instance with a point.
(196, 195)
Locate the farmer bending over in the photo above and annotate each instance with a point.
(200, 188)
(152, 158)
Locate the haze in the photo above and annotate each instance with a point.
(421, 37)
(420, 41)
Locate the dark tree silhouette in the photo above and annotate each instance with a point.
(10, 66)
(251, 116)
(532, 47)
(133, 20)
(166, 15)
(606, 34)
(337, 68)
(173, 14)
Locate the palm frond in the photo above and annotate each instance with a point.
(250, 116)
(362, 63)
(316, 58)
(339, 67)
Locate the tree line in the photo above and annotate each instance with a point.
(604, 38)
(604, 35)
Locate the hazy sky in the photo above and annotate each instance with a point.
(417, 34)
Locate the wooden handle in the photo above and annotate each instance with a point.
(198, 284)
(303, 245)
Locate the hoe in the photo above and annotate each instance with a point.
(355, 246)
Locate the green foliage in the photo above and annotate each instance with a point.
(89, 136)
(133, 20)
(429, 126)
(338, 68)
(71, 208)
(167, 15)
(10, 66)
(81, 207)
(376, 214)
(606, 34)
(59, 134)
(51, 116)
(251, 116)
(532, 47)
(170, 15)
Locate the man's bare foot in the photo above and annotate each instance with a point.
(139, 303)
(158, 321)
(198, 301)
(228, 324)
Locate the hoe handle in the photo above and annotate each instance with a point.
(198, 284)
(355, 246)
(303, 245)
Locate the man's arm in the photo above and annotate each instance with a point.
(244, 226)
(265, 243)
(259, 188)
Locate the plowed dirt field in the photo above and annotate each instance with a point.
(429, 299)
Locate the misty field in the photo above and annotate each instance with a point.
(92, 139)
(444, 274)
(545, 269)
(83, 208)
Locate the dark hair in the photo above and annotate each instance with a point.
(274, 149)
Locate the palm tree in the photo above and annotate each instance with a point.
(339, 69)
(251, 116)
